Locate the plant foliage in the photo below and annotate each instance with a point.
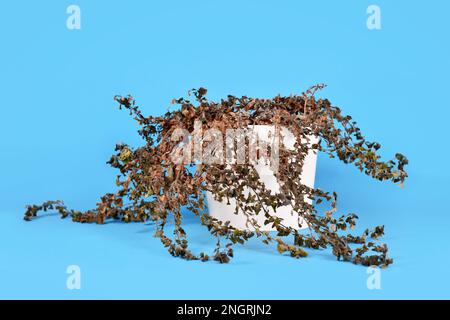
(152, 188)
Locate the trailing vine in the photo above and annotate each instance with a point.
(151, 187)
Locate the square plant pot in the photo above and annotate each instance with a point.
(226, 212)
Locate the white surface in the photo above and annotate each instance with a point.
(224, 212)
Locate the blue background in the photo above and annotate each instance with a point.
(59, 126)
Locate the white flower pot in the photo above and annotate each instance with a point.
(225, 212)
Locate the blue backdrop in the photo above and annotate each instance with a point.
(59, 125)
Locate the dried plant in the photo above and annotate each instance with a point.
(152, 187)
